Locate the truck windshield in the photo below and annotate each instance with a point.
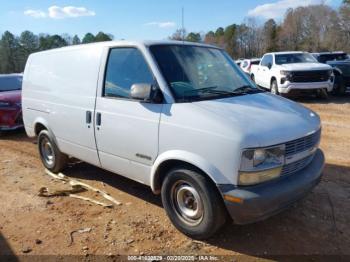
(10, 83)
(294, 58)
(332, 57)
(200, 73)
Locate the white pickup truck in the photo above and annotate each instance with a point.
(292, 72)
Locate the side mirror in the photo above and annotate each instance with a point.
(141, 91)
(269, 65)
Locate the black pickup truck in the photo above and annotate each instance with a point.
(340, 62)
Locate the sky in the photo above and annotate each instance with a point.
(137, 19)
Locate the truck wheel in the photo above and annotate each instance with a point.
(253, 78)
(274, 88)
(322, 93)
(50, 155)
(192, 203)
(339, 85)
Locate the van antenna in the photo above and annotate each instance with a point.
(183, 24)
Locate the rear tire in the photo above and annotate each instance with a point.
(193, 203)
(52, 158)
(274, 88)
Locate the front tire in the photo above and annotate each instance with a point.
(253, 78)
(339, 85)
(52, 158)
(193, 203)
(323, 94)
(274, 88)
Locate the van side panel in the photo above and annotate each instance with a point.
(60, 87)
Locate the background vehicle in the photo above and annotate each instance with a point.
(179, 117)
(239, 61)
(247, 64)
(10, 102)
(292, 73)
(341, 68)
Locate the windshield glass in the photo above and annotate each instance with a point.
(294, 58)
(200, 73)
(332, 57)
(10, 83)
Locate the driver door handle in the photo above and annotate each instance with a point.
(98, 119)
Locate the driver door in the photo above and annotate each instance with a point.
(126, 129)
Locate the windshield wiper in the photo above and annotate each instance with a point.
(247, 89)
(243, 90)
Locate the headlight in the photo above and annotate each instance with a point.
(284, 73)
(252, 178)
(261, 164)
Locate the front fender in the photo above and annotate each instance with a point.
(216, 176)
(337, 70)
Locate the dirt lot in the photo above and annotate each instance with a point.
(319, 224)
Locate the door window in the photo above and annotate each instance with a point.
(266, 60)
(125, 67)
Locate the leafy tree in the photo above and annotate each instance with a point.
(29, 43)
(193, 37)
(100, 37)
(49, 42)
(219, 32)
(270, 35)
(88, 38)
(230, 39)
(76, 40)
(9, 53)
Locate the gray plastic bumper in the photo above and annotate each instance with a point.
(262, 201)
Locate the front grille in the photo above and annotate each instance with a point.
(296, 166)
(309, 76)
(303, 144)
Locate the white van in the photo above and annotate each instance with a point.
(179, 117)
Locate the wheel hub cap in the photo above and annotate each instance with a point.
(188, 203)
(47, 151)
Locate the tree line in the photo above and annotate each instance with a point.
(14, 50)
(313, 28)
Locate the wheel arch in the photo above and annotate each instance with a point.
(166, 161)
(41, 124)
(337, 71)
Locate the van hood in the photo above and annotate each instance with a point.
(265, 119)
(305, 67)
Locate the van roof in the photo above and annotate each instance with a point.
(130, 43)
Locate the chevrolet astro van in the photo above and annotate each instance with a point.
(179, 117)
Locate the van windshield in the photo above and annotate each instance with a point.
(294, 58)
(10, 83)
(200, 73)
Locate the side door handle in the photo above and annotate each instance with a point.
(88, 117)
(98, 119)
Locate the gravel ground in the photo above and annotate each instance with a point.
(33, 225)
